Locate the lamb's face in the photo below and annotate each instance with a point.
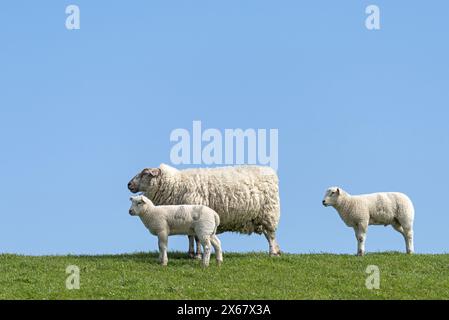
(142, 181)
(331, 196)
(137, 205)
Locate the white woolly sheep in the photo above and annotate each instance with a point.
(164, 221)
(387, 208)
(245, 197)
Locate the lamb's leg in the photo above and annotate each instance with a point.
(205, 241)
(191, 247)
(198, 248)
(360, 234)
(407, 233)
(396, 226)
(163, 242)
(272, 244)
(217, 247)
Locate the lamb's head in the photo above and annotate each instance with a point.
(332, 196)
(143, 181)
(138, 205)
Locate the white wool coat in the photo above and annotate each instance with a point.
(175, 220)
(385, 208)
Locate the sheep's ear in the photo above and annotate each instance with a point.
(338, 191)
(154, 172)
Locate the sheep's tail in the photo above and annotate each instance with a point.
(217, 222)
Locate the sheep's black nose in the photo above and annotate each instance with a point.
(130, 212)
(324, 202)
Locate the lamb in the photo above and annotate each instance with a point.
(245, 197)
(164, 221)
(387, 208)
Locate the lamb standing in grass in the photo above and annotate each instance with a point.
(164, 221)
(388, 208)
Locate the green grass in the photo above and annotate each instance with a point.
(242, 276)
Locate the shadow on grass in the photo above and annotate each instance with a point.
(153, 257)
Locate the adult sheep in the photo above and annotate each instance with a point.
(245, 197)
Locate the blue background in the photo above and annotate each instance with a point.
(82, 111)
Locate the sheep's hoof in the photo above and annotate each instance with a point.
(275, 254)
(198, 256)
(219, 263)
(191, 255)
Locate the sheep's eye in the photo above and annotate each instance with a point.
(332, 193)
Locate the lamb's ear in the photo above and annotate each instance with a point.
(338, 191)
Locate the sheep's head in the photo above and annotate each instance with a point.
(142, 181)
(137, 205)
(331, 196)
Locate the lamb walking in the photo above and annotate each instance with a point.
(387, 208)
(193, 220)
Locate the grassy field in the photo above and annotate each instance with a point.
(242, 276)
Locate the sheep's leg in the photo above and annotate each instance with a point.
(407, 233)
(217, 247)
(198, 248)
(205, 241)
(408, 236)
(163, 242)
(398, 227)
(191, 247)
(272, 244)
(360, 234)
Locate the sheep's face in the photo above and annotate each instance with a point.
(137, 205)
(142, 181)
(331, 196)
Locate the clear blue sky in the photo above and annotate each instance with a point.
(82, 111)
